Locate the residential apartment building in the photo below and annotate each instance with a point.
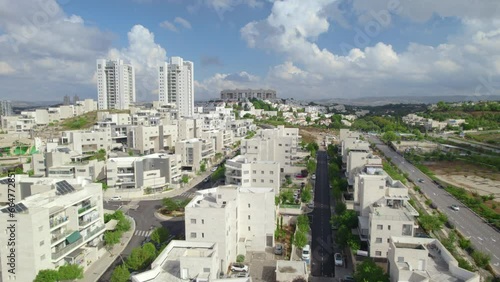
(189, 128)
(194, 152)
(241, 127)
(154, 171)
(221, 139)
(278, 145)
(88, 141)
(245, 173)
(151, 139)
(61, 222)
(424, 259)
(6, 108)
(176, 85)
(115, 84)
(243, 94)
(238, 219)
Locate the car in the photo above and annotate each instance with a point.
(299, 176)
(339, 260)
(311, 205)
(306, 252)
(313, 177)
(213, 169)
(278, 250)
(239, 267)
(116, 198)
(421, 180)
(242, 275)
(455, 207)
(206, 180)
(348, 278)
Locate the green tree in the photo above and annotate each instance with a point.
(300, 239)
(47, 275)
(368, 271)
(303, 223)
(170, 204)
(203, 166)
(308, 119)
(159, 235)
(70, 272)
(340, 208)
(430, 222)
(390, 136)
(306, 196)
(311, 166)
(120, 274)
(112, 237)
(240, 258)
(185, 179)
(286, 196)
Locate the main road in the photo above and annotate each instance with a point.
(321, 245)
(484, 237)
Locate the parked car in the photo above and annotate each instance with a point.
(311, 205)
(421, 180)
(339, 260)
(455, 207)
(116, 198)
(313, 177)
(278, 250)
(242, 275)
(239, 267)
(306, 252)
(348, 278)
(299, 176)
(206, 179)
(213, 169)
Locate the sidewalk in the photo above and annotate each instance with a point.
(97, 269)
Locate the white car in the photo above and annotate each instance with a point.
(313, 177)
(306, 252)
(213, 169)
(455, 207)
(116, 198)
(339, 261)
(239, 267)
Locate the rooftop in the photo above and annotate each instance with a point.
(390, 213)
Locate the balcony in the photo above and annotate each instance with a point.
(83, 223)
(86, 208)
(60, 252)
(55, 222)
(58, 237)
(94, 232)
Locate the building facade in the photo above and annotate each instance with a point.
(176, 85)
(5, 108)
(243, 94)
(115, 84)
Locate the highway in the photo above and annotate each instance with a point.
(483, 237)
(321, 245)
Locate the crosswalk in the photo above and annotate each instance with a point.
(143, 233)
(187, 195)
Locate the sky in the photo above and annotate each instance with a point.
(304, 49)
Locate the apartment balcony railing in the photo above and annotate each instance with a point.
(94, 232)
(58, 237)
(86, 208)
(66, 249)
(58, 221)
(87, 221)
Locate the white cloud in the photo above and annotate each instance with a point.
(145, 55)
(168, 25)
(185, 23)
(5, 68)
(210, 88)
(223, 6)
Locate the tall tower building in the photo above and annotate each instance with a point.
(115, 85)
(176, 85)
(5, 108)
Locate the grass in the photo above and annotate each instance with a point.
(394, 173)
(489, 138)
(86, 120)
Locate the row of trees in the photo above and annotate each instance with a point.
(112, 238)
(63, 273)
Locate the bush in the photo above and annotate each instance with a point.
(300, 239)
(240, 258)
(482, 260)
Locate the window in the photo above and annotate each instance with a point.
(202, 235)
(388, 227)
(248, 228)
(271, 181)
(378, 253)
(271, 172)
(380, 227)
(206, 270)
(401, 259)
(42, 243)
(193, 235)
(254, 180)
(254, 172)
(261, 172)
(262, 181)
(280, 145)
(388, 240)
(378, 240)
(40, 228)
(42, 257)
(193, 221)
(248, 205)
(248, 217)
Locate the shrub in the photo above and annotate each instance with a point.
(240, 258)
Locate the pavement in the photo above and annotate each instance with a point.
(321, 245)
(483, 237)
(98, 268)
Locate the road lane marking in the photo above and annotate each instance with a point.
(493, 240)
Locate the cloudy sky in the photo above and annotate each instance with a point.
(305, 49)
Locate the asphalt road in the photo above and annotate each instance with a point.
(321, 245)
(484, 237)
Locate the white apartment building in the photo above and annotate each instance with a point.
(241, 127)
(245, 173)
(176, 85)
(357, 160)
(151, 139)
(189, 128)
(61, 222)
(193, 152)
(87, 142)
(238, 219)
(243, 94)
(353, 144)
(220, 139)
(279, 145)
(6, 108)
(115, 84)
(155, 171)
(424, 259)
(105, 119)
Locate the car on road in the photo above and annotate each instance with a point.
(311, 205)
(313, 177)
(213, 169)
(116, 198)
(306, 252)
(239, 267)
(421, 180)
(348, 278)
(339, 260)
(455, 207)
(278, 250)
(206, 179)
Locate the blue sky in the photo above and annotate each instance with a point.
(312, 49)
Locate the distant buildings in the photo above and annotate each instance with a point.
(176, 85)
(242, 94)
(5, 108)
(115, 84)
